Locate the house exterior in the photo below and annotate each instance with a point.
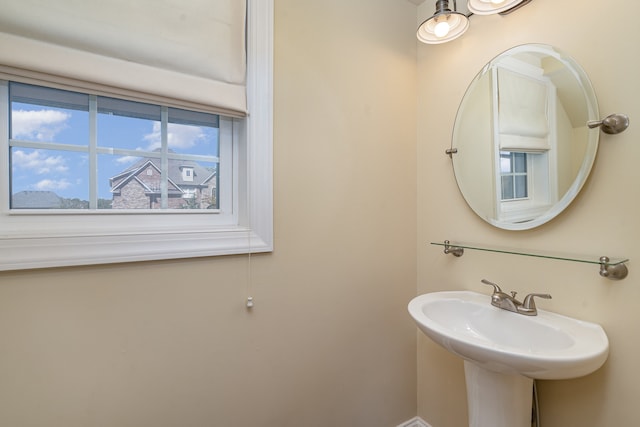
(189, 184)
(36, 200)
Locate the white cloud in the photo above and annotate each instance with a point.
(127, 160)
(49, 184)
(41, 125)
(179, 136)
(38, 162)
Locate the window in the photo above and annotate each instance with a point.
(213, 198)
(187, 173)
(59, 160)
(513, 174)
(526, 185)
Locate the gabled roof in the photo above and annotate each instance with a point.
(35, 199)
(201, 175)
(123, 178)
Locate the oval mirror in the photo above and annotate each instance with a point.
(521, 146)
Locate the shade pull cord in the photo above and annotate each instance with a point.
(249, 278)
(249, 281)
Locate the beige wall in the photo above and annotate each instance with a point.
(329, 342)
(604, 220)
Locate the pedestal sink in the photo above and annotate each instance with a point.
(504, 352)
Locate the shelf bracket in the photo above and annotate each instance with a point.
(613, 272)
(453, 250)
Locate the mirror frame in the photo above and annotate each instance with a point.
(590, 151)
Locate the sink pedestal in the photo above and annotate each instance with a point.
(497, 400)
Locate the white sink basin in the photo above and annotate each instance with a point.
(546, 346)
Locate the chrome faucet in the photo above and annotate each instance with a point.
(509, 302)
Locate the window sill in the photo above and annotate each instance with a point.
(44, 252)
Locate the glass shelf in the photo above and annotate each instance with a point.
(546, 254)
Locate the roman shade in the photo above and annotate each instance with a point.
(187, 51)
(522, 106)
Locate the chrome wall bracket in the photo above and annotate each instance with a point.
(453, 250)
(612, 271)
(612, 124)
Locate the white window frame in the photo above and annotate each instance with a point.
(113, 238)
(539, 192)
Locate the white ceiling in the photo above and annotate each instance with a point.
(417, 1)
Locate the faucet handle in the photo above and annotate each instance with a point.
(530, 304)
(496, 288)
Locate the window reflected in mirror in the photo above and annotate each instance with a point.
(522, 146)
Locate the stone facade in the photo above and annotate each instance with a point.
(190, 186)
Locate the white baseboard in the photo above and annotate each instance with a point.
(415, 422)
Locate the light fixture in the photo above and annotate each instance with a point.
(489, 7)
(444, 25)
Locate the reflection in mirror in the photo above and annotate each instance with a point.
(523, 146)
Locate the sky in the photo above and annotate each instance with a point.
(67, 172)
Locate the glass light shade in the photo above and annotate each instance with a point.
(457, 22)
(489, 7)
